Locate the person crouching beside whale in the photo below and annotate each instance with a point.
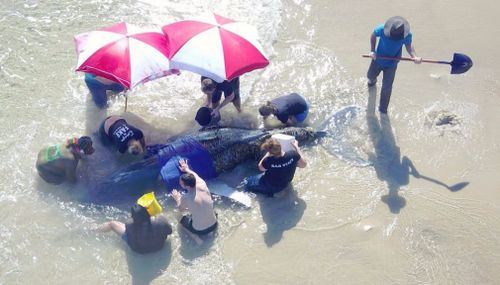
(126, 138)
(278, 167)
(289, 109)
(143, 234)
(57, 163)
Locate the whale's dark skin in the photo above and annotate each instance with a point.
(228, 147)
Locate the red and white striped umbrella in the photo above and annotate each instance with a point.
(124, 53)
(214, 46)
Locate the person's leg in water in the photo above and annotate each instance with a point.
(255, 184)
(385, 92)
(373, 72)
(237, 99)
(97, 90)
(186, 224)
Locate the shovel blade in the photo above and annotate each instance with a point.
(460, 63)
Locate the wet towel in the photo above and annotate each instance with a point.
(198, 158)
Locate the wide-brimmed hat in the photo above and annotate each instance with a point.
(396, 28)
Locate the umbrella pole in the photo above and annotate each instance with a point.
(126, 101)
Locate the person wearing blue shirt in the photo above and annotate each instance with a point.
(392, 36)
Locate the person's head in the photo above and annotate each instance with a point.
(272, 146)
(208, 86)
(135, 147)
(396, 28)
(266, 109)
(203, 116)
(187, 181)
(140, 214)
(84, 145)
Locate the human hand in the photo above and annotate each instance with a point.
(215, 112)
(295, 144)
(183, 165)
(373, 55)
(417, 60)
(176, 195)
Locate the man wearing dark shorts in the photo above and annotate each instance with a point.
(214, 90)
(201, 219)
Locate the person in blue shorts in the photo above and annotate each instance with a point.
(278, 167)
(391, 37)
(143, 234)
(98, 86)
(289, 109)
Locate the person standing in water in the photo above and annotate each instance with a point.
(98, 87)
(201, 219)
(57, 163)
(143, 234)
(392, 36)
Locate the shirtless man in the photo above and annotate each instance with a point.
(57, 163)
(201, 219)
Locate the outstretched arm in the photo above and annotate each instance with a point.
(261, 167)
(302, 161)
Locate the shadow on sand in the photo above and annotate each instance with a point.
(387, 161)
(280, 213)
(144, 268)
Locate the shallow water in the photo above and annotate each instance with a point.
(425, 210)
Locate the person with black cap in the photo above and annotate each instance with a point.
(57, 163)
(392, 36)
(206, 118)
(143, 234)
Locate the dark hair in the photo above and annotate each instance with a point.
(266, 109)
(208, 85)
(203, 116)
(85, 144)
(188, 179)
(140, 214)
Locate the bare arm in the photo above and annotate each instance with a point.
(208, 102)
(373, 43)
(261, 168)
(302, 162)
(411, 51)
(226, 101)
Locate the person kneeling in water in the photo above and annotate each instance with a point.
(143, 234)
(126, 138)
(198, 201)
(289, 109)
(57, 163)
(278, 166)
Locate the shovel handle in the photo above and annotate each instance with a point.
(407, 59)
